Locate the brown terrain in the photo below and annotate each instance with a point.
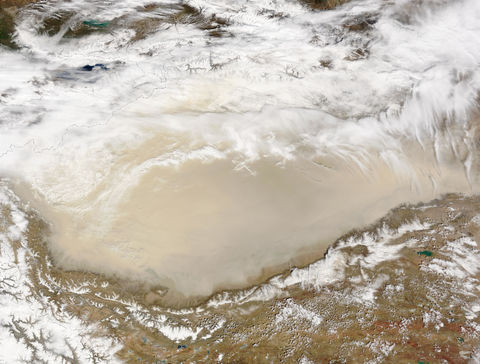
(155, 16)
(323, 4)
(8, 12)
(410, 298)
(398, 310)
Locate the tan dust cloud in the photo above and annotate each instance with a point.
(203, 225)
